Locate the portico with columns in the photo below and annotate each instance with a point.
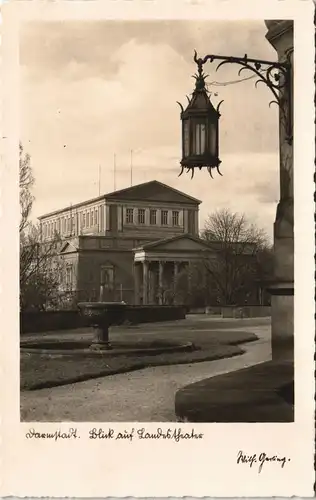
(158, 264)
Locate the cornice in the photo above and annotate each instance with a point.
(277, 28)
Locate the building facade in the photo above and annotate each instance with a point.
(127, 245)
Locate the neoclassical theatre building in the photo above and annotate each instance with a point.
(127, 245)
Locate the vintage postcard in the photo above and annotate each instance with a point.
(152, 342)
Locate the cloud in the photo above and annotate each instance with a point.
(89, 90)
(48, 48)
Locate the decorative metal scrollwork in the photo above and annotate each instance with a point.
(274, 74)
(209, 169)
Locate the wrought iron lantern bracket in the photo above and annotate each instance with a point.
(277, 76)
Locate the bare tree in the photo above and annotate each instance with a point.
(237, 243)
(26, 183)
(189, 287)
(41, 269)
(40, 263)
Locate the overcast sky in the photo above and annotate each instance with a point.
(90, 90)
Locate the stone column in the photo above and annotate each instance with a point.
(176, 268)
(175, 276)
(175, 272)
(136, 283)
(151, 283)
(160, 283)
(145, 282)
(280, 35)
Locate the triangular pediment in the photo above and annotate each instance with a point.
(152, 191)
(185, 243)
(68, 247)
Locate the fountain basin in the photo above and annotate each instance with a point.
(101, 315)
(64, 348)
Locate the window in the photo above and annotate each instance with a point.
(92, 218)
(186, 140)
(200, 138)
(175, 218)
(83, 220)
(164, 217)
(69, 225)
(88, 219)
(213, 138)
(129, 215)
(72, 223)
(141, 216)
(107, 276)
(64, 224)
(69, 276)
(153, 217)
(96, 216)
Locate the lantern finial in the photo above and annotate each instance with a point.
(200, 75)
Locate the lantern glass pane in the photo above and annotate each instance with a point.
(212, 138)
(186, 138)
(200, 139)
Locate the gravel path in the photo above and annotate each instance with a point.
(143, 396)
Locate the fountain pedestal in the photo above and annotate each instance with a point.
(101, 315)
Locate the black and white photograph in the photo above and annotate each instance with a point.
(147, 294)
(159, 243)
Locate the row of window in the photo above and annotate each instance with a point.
(66, 224)
(130, 216)
(106, 275)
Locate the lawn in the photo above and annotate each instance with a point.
(40, 371)
(260, 393)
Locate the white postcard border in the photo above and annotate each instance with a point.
(205, 467)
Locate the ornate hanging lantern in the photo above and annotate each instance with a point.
(200, 131)
(200, 144)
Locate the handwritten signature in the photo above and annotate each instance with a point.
(261, 459)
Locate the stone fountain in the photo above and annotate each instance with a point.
(101, 315)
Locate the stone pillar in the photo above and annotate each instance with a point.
(175, 272)
(160, 283)
(176, 268)
(175, 276)
(136, 283)
(151, 283)
(145, 282)
(280, 35)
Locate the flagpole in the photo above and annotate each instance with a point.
(131, 167)
(114, 172)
